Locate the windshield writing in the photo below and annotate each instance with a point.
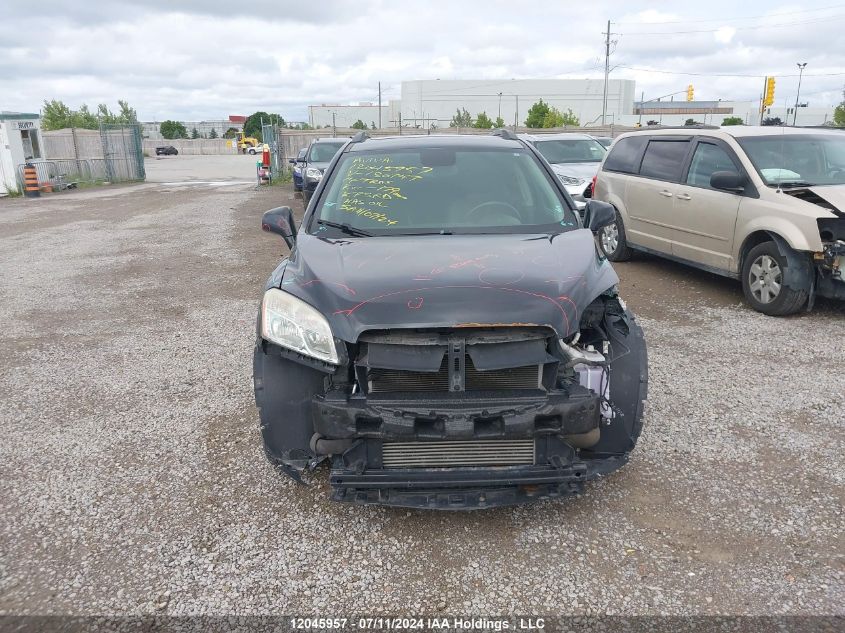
(442, 190)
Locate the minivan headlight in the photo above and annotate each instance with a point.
(313, 172)
(292, 323)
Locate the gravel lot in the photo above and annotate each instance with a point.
(133, 479)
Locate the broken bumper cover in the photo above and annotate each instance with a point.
(466, 488)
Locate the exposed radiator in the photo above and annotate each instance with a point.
(458, 453)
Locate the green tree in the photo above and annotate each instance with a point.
(232, 132)
(839, 112)
(56, 115)
(173, 129)
(772, 121)
(462, 118)
(359, 125)
(732, 120)
(500, 122)
(213, 133)
(556, 118)
(483, 121)
(372, 125)
(692, 122)
(537, 114)
(252, 125)
(194, 133)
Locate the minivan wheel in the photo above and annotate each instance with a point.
(612, 240)
(763, 272)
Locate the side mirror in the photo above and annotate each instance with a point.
(292, 161)
(727, 181)
(280, 221)
(598, 214)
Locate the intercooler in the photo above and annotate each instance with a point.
(433, 454)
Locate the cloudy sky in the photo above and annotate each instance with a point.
(206, 59)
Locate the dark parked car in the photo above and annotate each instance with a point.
(445, 330)
(320, 153)
(297, 163)
(166, 150)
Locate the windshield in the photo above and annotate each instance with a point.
(811, 159)
(442, 189)
(324, 152)
(571, 151)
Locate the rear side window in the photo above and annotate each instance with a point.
(625, 154)
(664, 160)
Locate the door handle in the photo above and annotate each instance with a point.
(683, 196)
(667, 194)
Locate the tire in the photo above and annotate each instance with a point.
(763, 271)
(613, 242)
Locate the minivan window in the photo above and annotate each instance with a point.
(814, 159)
(625, 154)
(431, 190)
(664, 159)
(560, 151)
(707, 159)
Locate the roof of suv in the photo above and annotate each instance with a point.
(416, 141)
(329, 139)
(531, 138)
(736, 131)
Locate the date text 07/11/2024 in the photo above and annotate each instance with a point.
(412, 623)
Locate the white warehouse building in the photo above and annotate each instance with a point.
(433, 102)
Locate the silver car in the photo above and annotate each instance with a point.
(575, 158)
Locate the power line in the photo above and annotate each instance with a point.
(755, 27)
(673, 72)
(736, 19)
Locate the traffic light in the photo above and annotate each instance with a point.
(690, 93)
(769, 96)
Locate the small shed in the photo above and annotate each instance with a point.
(20, 142)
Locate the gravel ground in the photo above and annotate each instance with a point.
(133, 480)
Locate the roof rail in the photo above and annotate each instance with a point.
(360, 137)
(504, 133)
(697, 126)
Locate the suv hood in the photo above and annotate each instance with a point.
(579, 170)
(448, 280)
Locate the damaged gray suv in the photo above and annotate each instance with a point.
(446, 332)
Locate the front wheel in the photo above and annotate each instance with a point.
(763, 273)
(613, 243)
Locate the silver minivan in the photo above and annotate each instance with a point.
(765, 205)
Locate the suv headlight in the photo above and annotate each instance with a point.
(571, 180)
(292, 323)
(314, 173)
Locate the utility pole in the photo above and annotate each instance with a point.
(400, 122)
(334, 129)
(606, 73)
(763, 99)
(516, 115)
(379, 105)
(642, 103)
(800, 74)
(500, 105)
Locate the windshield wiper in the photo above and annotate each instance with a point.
(345, 228)
(788, 184)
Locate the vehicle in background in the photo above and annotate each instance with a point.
(320, 153)
(257, 149)
(297, 168)
(765, 205)
(445, 330)
(607, 141)
(166, 150)
(575, 158)
(245, 143)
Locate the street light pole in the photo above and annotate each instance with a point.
(500, 106)
(800, 74)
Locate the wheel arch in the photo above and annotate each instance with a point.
(799, 270)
